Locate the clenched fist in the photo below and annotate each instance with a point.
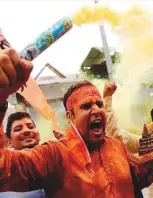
(109, 89)
(14, 72)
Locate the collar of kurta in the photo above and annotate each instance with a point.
(77, 146)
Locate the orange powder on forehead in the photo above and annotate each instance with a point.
(79, 94)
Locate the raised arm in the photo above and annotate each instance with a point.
(130, 140)
(27, 169)
(14, 72)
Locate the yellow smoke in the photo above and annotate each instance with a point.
(135, 30)
(95, 14)
(135, 33)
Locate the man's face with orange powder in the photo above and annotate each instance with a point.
(90, 118)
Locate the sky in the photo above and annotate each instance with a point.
(22, 21)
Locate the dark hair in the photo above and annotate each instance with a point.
(73, 88)
(13, 117)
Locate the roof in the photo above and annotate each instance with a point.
(95, 57)
(55, 87)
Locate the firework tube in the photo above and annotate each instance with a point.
(47, 38)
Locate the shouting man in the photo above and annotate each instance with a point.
(85, 163)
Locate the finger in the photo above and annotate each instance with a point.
(8, 67)
(26, 69)
(15, 58)
(115, 86)
(4, 81)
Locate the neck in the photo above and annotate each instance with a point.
(93, 146)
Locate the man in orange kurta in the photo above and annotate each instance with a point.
(85, 163)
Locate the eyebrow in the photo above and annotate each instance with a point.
(88, 102)
(20, 125)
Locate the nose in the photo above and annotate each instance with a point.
(95, 110)
(26, 133)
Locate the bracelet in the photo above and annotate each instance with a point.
(3, 107)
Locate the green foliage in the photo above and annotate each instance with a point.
(148, 105)
(147, 84)
(135, 131)
(115, 58)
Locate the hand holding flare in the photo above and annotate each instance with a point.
(32, 93)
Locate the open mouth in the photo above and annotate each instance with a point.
(96, 126)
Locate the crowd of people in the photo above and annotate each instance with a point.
(90, 159)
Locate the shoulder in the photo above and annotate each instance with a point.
(113, 140)
(57, 145)
(115, 145)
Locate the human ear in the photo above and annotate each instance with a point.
(70, 116)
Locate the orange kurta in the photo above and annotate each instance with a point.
(62, 169)
(107, 176)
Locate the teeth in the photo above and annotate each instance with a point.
(96, 125)
(96, 121)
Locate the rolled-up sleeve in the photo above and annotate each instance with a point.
(30, 168)
(131, 141)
